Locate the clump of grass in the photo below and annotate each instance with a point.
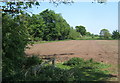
(60, 65)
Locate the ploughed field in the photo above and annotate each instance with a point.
(105, 51)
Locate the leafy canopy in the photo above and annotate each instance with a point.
(105, 33)
(81, 30)
(116, 34)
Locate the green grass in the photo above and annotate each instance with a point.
(82, 38)
(94, 38)
(61, 66)
(87, 38)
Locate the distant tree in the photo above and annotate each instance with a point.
(105, 33)
(73, 34)
(92, 35)
(88, 34)
(96, 35)
(116, 34)
(81, 30)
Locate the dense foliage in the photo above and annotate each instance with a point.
(104, 33)
(14, 40)
(88, 34)
(74, 34)
(56, 28)
(81, 30)
(116, 34)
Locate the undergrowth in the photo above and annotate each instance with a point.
(75, 69)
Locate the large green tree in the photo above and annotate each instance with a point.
(56, 27)
(50, 31)
(81, 30)
(63, 27)
(15, 37)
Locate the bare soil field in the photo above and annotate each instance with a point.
(100, 50)
(105, 51)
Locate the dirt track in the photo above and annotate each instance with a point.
(100, 50)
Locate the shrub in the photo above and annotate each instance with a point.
(74, 61)
(37, 39)
(116, 34)
(31, 61)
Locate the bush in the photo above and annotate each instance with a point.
(37, 39)
(116, 34)
(31, 61)
(74, 61)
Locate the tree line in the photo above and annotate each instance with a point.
(50, 26)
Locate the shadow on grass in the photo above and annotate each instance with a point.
(77, 70)
(51, 73)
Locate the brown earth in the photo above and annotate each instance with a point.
(100, 50)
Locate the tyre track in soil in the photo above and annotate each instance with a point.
(109, 51)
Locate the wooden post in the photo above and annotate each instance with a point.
(53, 61)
